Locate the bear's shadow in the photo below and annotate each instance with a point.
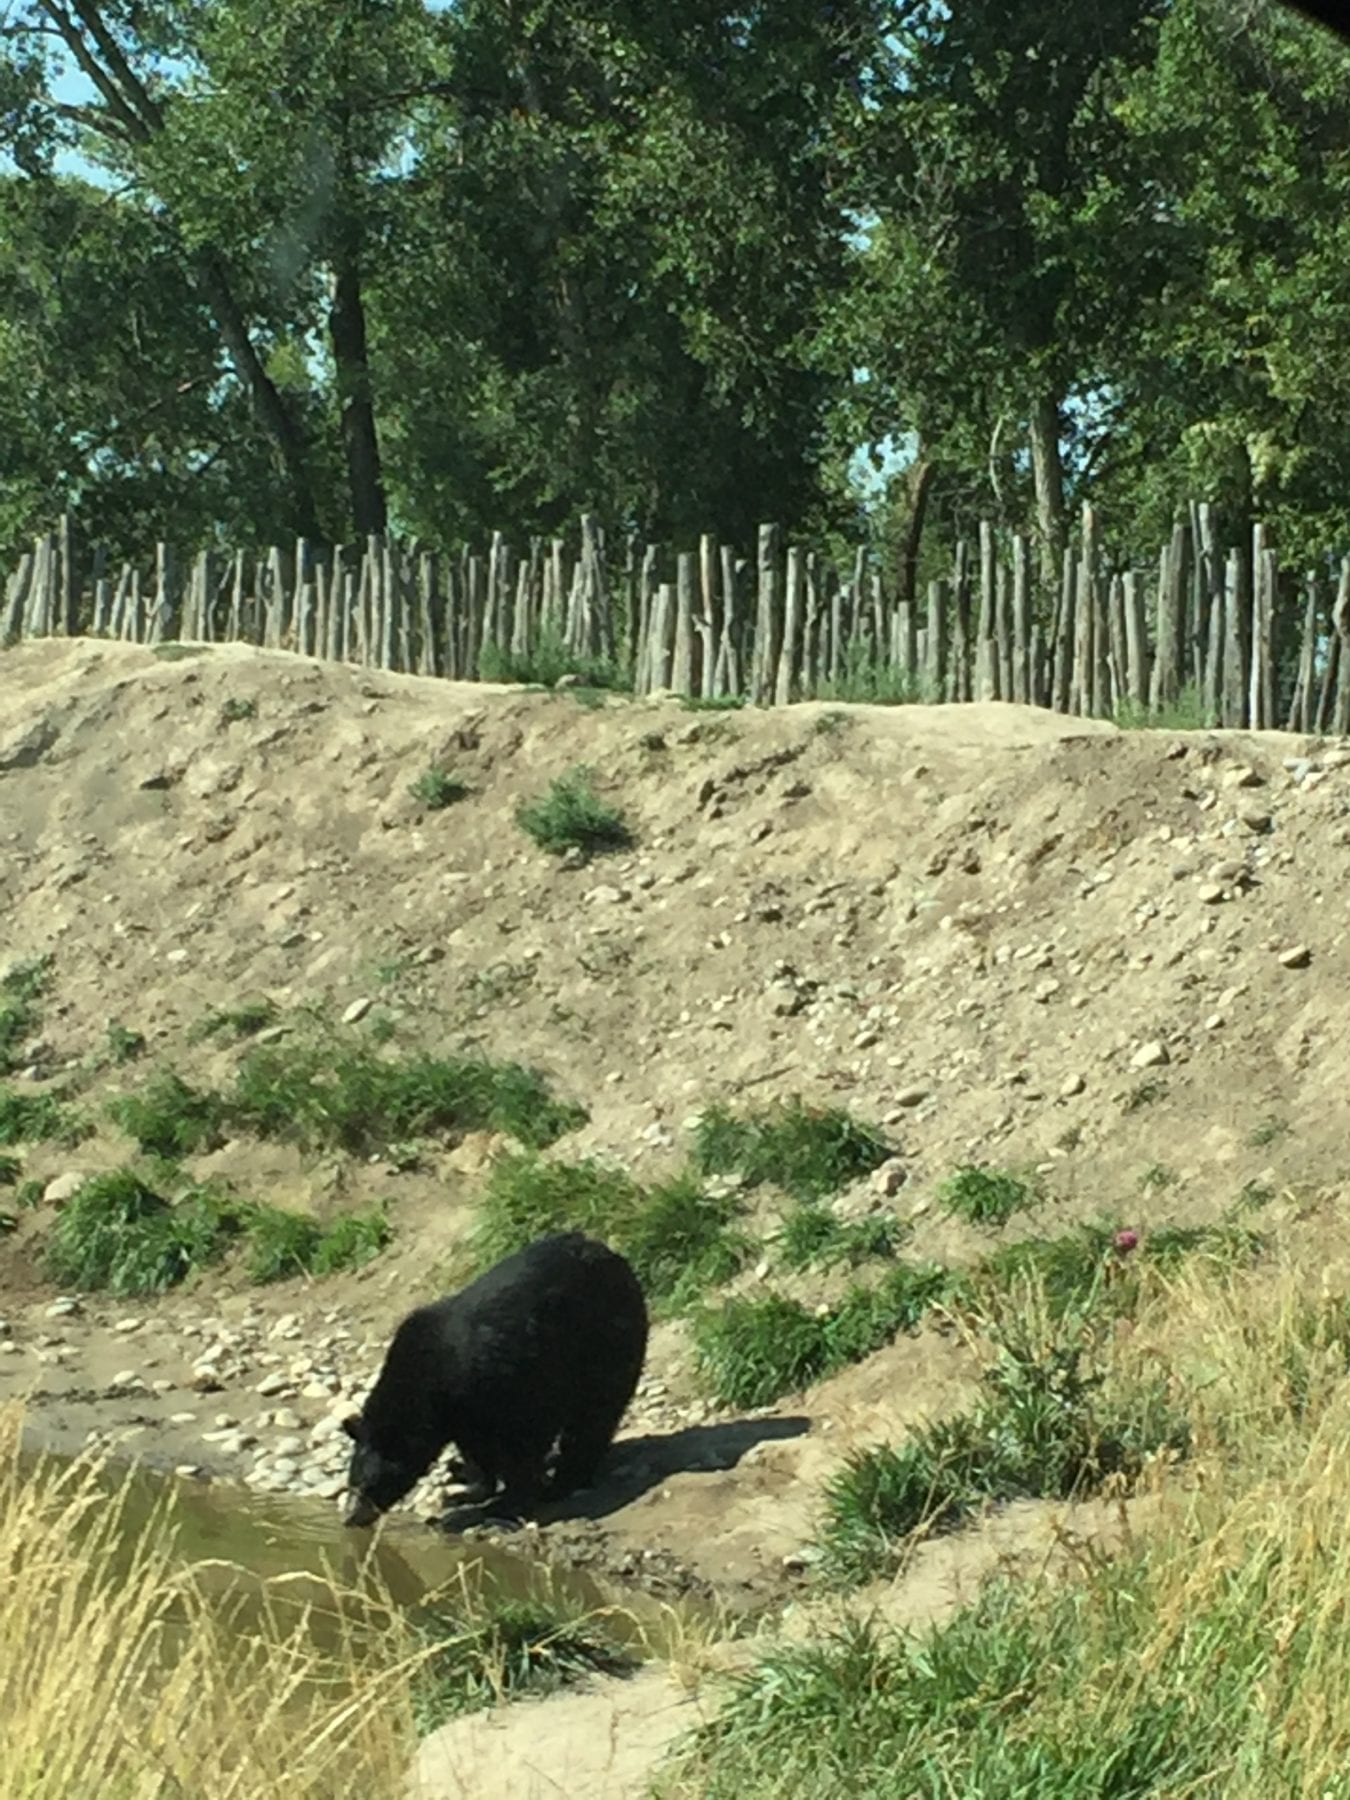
(635, 1465)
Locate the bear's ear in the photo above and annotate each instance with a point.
(355, 1427)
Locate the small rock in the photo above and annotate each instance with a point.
(127, 1326)
(1241, 777)
(182, 1418)
(1150, 1056)
(63, 1187)
(890, 1177)
(285, 1419)
(1298, 956)
(911, 1096)
(1071, 1085)
(1210, 892)
(272, 1384)
(357, 1010)
(605, 895)
(188, 1471)
(1255, 819)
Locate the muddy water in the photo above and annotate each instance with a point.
(239, 1543)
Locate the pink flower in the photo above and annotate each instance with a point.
(1126, 1241)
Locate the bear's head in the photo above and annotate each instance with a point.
(375, 1480)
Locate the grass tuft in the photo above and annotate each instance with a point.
(984, 1196)
(348, 1097)
(39, 1118)
(750, 1352)
(572, 816)
(120, 1235)
(22, 987)
(169, 1118)
(812, 1237)
(679, 1239)
(436, 788)
(809, 1152)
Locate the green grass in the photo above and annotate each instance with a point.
(1187, 713)
(813, 1238)
(809, 1152)
(436, 788)
(750, 1352)
(984, 1196)
(120, 1234)
(679, 1239)
(338, 1095)
(22, 987)
(284, 1244)
(548, 663)
(870, 680)
(170, 1118)
(1045, 1427)
(1203, 1654)
(719, 703)
(572, 816)
(11, 1168)
(1083, 1271)
(235, 1023)
(506, 1648)
(124, 1045)
(39, 1118)
(1157, 1178)
(236, 710)
(1267, 1131)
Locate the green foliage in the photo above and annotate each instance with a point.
(235, 1022)
(679, 1239)
(572, 816)
(237, 709)
(436, 788)
(1044, 1427)
(340, 1095)
(169, 1117)
(812, 1237)
(505, 1648)
(750, 1352)
(124, 1045)
(38, 1118)
(22, 987)
(984, 1196)
(548, 663)
(868, 679)
(121, 1235)
(11, 1168)
(809, 1152)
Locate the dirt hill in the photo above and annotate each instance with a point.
(1118, 959)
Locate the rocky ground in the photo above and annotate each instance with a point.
(1116, 959)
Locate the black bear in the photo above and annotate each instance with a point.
(546, 1346)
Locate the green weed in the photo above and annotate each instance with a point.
(812, 1237)
(349, 1097)
(1043, 1428)
(984, 1196)
(170, 1118)
(548, 663)
(39, 1118)
(572, 816)
(236, 710)
(1267, 1131)
(124, 1045)
(679, 1239)
(436, 788)
(118, 1234)
(809, 1152)
(22, 987)
(752, 1351)
(486, 1654)
(234, 1023)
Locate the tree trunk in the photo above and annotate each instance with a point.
(277, 420)
(1047, 473)
(351, 363)
(920, 483)
(138, 119)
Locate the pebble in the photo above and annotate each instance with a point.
(1071, 1085)
(1298, 956)
(63, 1187)
(357, 1010)
(272, 1384)
(1150, 1056)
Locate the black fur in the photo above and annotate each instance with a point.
(546, 1347)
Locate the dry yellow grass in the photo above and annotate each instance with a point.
(119, 1681)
